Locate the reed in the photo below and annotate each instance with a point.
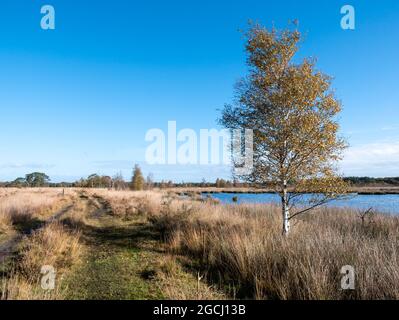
(241, 246)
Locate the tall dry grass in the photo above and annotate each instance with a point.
(18, 206)
(54, 245)
(237, 248)
(128, 204)
(241, 247)
(5, 192)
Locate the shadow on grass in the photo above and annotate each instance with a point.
(129, 236)
(27, 225)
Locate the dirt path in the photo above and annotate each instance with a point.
(118, 256)
(125, 260)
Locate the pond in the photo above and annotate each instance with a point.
(386, 203)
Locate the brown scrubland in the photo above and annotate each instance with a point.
(177, 247)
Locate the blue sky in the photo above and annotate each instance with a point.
(79, 99)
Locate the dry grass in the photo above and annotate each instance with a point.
(241, 247)
(127, 204)
(22, 206)
(176, 284)
(237, 249)
(25, 210)
(5, 192)
(52, 245)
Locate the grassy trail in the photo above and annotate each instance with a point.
(119, 257)
(127, 260)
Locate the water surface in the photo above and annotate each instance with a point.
(386, 203)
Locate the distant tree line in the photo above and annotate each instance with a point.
(138, 182)
(33, 180)
(117, 182)
(394, 181)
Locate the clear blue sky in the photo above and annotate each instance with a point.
(79, 99)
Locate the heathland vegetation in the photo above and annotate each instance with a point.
(158, 244)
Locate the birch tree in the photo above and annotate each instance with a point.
(293, 114)
(137, 179)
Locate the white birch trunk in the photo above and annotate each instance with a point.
(285, 210)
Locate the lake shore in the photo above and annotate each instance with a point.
(361, 190)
